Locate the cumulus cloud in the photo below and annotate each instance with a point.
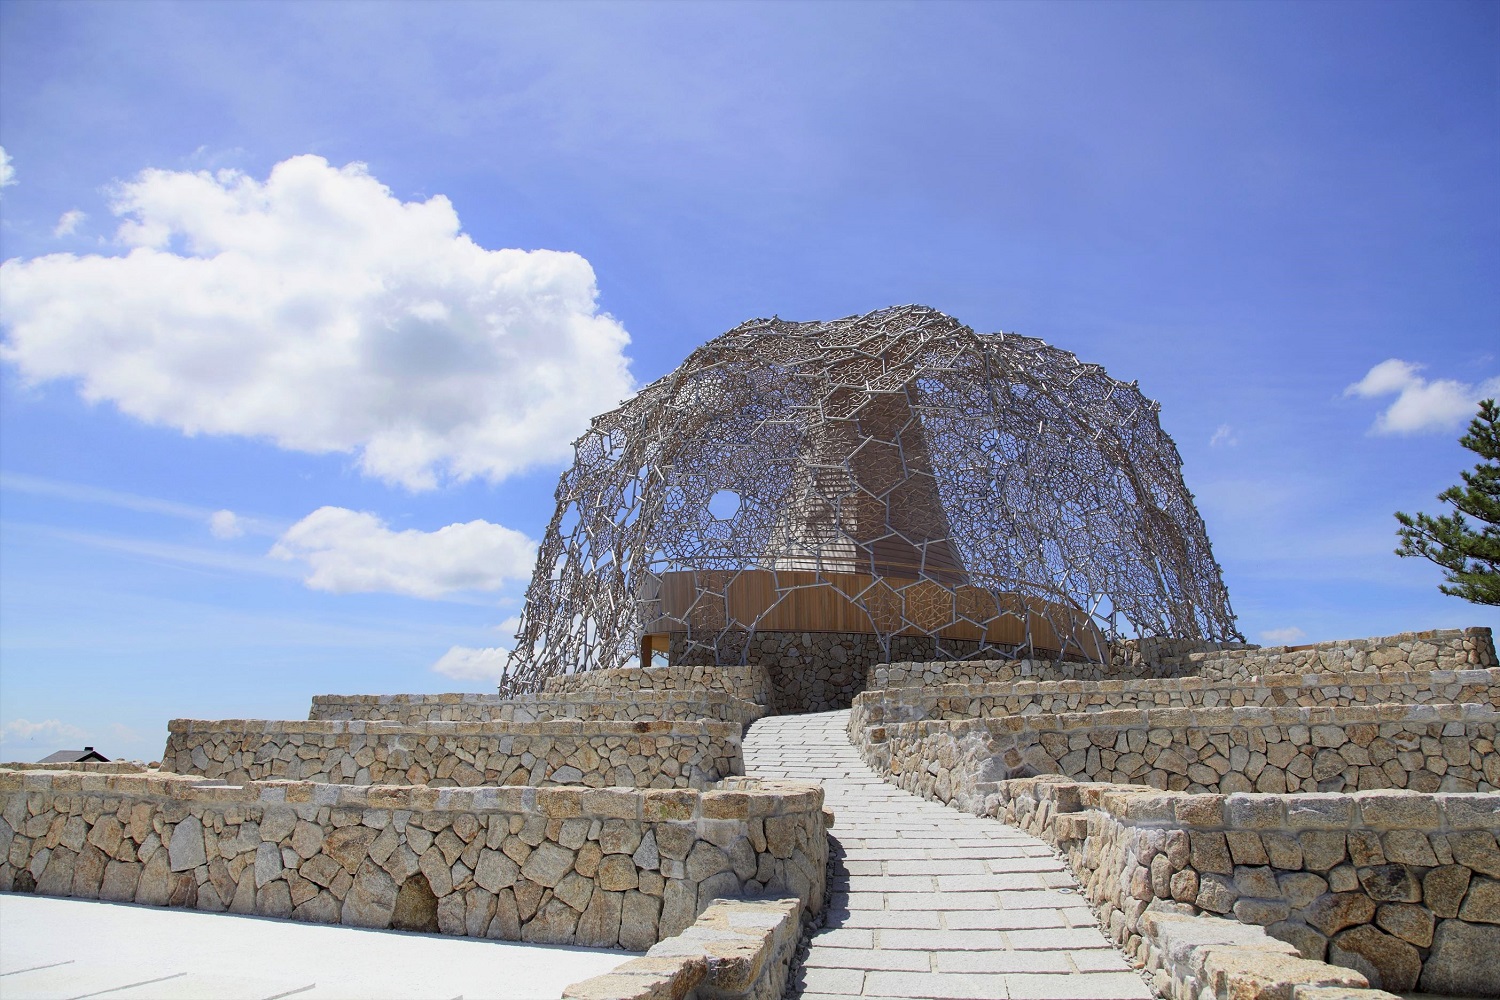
(350, 551)
(1224, 435)
(465, 664)
(1282, 636)
(1421, 404)
(319, 311)
(225, 524)
(67, 224)
(7, 171)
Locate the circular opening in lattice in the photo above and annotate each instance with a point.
(724, 504)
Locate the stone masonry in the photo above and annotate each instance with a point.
(1337, 802)
(564, 752)
(1194, 821)
(600, 867)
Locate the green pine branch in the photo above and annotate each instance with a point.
(1469, 555)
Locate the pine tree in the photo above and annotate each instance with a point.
(1470, 557)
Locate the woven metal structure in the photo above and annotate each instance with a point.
(895, 475)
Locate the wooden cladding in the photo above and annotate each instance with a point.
(708, 601)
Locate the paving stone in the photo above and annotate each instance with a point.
(846, 981)
(869, 958)
(844, 937)
(1056, 938)
(1084, 986)
(937, 986)
(931, 903)
(1002, 961)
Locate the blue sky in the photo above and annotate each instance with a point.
(247, 384)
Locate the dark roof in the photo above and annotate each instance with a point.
(84, 756)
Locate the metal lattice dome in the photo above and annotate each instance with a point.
(894, 474)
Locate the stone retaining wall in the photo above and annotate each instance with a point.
(936, 673)
(1439, 649)
(595, 754)
(748, 683)
(407, 708)
(1401, 886)
(961, 701)
(737, 949)
(814, 671)
(1157, 657)
(640, 706)
(609, 867)
(1423, 747)
(94, 767)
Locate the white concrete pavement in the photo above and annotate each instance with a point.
(931, 903)
(52, 949)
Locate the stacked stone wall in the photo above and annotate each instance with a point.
(816, 671)
(589, 706)
(1159, 659)
(1403, 887)
(964, 701)
(1422, 747)
(595, 867)
(1438, 649)
(806, 671)
(936, 673)
(737, 949)
(594, 754)
(748, 683)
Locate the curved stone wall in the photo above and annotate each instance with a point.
(969, 701)
(596, 867)
(1422, 747)
(1439, 649)
(749, 683)
(587, 706)
(1401, 886)
(594, 754)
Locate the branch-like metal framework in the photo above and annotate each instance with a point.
(894, 474)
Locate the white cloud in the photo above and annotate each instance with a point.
(225, 524)
(354, 552)
(67, 224)
(318, 310)
(464, 664)
(1282, 636)
(47, 732)
(7, 171)
(1223, 435)
(1420, 404)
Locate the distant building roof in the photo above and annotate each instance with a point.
(88, 755)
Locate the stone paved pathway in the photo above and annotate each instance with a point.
(932, 903)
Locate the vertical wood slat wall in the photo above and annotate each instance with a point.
(708, 601)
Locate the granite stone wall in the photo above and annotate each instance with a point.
(1159, 657)
(748, 683)
(967, 701)
(737, 949)
(594, 754)
(597, 867)
(814, 671)
(1423, 747)
(636, 706)
(1440, 649)
(1402, 887)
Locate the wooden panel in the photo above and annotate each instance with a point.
(805, 601)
